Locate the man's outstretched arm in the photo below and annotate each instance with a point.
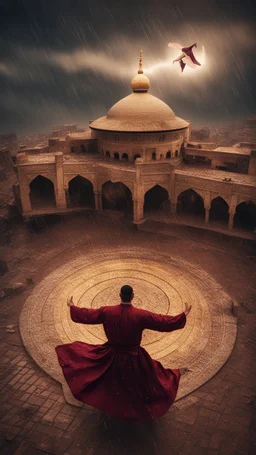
(85, 315)
(164, 323)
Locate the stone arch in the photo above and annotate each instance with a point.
(125, 157)
(42, 194)
(137, 155)
(156, 199)
(245, 216)
(80, 192)
(117, 196)
(222, 196)
(190, 202)
(116, 156)
(168, 155)
(219, 210)
(196, 190)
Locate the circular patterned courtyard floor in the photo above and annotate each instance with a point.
(161, 284)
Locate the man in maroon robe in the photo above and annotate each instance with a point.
(119, 377)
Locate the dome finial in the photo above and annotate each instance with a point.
(140, 70)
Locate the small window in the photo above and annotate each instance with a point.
(124, 157)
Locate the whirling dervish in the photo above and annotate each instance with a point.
(187, 57)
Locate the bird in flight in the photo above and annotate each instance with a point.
(187, 57)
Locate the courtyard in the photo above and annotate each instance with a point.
(215, 410)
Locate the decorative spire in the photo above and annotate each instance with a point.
(140, 71)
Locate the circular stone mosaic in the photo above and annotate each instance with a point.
(161, 284)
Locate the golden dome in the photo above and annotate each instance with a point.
(140, 111)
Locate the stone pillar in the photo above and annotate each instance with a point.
(68, 204)
(98, 200)
(138, 210)
(59, 189)
(174, 208)
(25, 198)
(231, 220)
(206, 215)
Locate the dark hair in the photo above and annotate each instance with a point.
(126, 293)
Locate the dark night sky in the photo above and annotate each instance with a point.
(69, 60)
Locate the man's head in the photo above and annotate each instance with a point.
(126, 293)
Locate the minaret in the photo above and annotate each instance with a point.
(140, 83)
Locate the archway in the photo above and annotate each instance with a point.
(107, 155)
(125, 157)
(176, 152)
(245, 216)
(81, 193)
(156, 199)
(190, 203)
(116, 156)
(219, 210)
(168, 155)
(42, 193)
(117, 196)
(154, 156)
(136, 156)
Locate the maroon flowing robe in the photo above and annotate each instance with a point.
(119, 377)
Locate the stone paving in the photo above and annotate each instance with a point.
(218, 418)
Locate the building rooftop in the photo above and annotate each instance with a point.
(233, 149)
(82, 135)
(214, 174)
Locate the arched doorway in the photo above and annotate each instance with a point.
(219, 210)
(117, 196)
(245, 216)
(168, 155)
(154, 156)
(42, 193)
(156, 199)
(136, 156)
(190, 203)
(125, 157)
(116, 156)
(81, 193)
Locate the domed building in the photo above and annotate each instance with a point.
(140, 126)
(136, 160)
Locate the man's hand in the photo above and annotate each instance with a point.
(187, 308)
(70, 301)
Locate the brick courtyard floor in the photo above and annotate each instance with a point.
(218, 418)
